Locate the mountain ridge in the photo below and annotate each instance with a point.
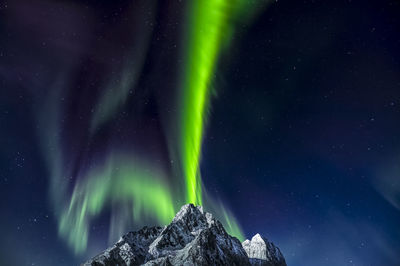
(194, 237)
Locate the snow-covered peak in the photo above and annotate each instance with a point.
(194, 217)
(257, 238)
(188, 210)
(246, 242)
(262, 252)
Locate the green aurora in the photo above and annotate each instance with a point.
(124, 180)
(211, 27)
(142, 187)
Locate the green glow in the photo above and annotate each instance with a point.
(231, 225)
(224, 215)
(138, 188)
(123, 77)
(123, 181)
(210, 28)
(114, 96)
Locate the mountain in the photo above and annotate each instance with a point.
(194, 237)
(262, 252)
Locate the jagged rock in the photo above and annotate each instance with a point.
(131, 249)
(262, 252)
(193, 237)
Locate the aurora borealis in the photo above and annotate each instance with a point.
(279, 117)
(129, 183)
(122, 180)
(210, 27)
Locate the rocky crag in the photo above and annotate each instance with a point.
(194, 237)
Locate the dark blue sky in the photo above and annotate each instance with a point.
(303, 138)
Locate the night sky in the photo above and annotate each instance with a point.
(301, 141)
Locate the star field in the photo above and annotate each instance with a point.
(301, 142)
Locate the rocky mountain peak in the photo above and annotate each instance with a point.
(191, 216)
(262, 252)
(194, 237)
(188, 211)
(257, 238)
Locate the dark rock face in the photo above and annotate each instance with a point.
(193, 237)
(131, 249)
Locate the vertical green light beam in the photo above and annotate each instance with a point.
(210, 29)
